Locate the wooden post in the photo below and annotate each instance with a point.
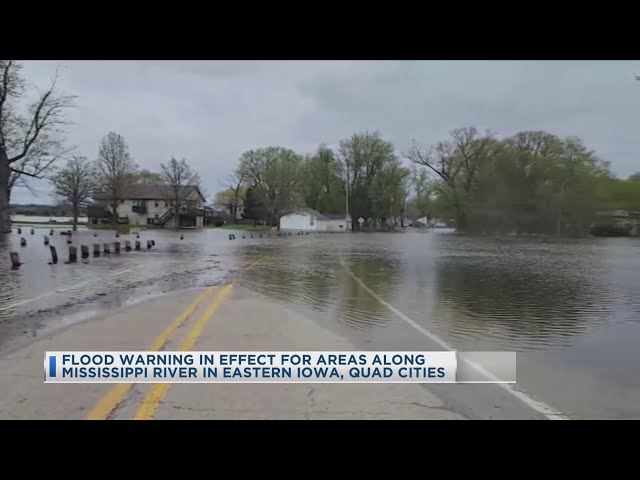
(84, 251)
(73, 254)
(46, 240)
(32, 231)
(23, 242)
(137, 245)
(116, 246)
(127, 245)
(54, 255)
(96, 249)
(106, 248)
(15, 260)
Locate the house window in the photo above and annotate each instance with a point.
(149, 220)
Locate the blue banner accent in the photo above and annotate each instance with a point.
(52, 366)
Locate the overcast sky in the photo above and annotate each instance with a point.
(211, 111)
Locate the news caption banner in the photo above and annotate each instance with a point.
(280, 367)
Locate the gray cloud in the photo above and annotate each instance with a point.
(210, 112)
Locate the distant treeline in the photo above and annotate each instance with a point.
(533, 182)
(43, 210)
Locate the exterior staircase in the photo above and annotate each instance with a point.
(165, 218)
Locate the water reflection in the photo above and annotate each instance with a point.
(520, 305)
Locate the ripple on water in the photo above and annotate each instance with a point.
(509, 293)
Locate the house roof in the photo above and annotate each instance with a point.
(318, 215)
(153, 192)
(304, 210)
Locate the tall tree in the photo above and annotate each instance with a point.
(115, 171)
(74, 184)
(389, 192)
(423, 188)
(254, 208)
(147, 177)
(30, 142)
(364, 156)
(180, 177)
(458, 162)
(323, 184)
(275, 173)
(235, 185)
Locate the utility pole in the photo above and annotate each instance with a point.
(346, 196)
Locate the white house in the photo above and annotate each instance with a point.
(309, 220)
(154, 205)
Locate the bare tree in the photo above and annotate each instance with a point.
(179, 176)
(235, 184)
(457, 162)
(29, 143)
(115, 171)
(74, 184)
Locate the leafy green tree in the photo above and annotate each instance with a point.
(275, 173)
(322, 182)
(254, 208)
(364, 156)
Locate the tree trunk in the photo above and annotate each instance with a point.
(114, 216)
(5, 194)
(76, 214)
(461, 218)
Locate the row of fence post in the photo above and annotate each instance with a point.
(84, 251)
(232, 236)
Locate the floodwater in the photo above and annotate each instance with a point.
(571, 309)
(36, 219)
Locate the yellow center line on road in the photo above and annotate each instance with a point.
(159, 391)
(110, 401)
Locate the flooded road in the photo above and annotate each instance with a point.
(571, 309)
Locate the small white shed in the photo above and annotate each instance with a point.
(307, 219)
(301, 220)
